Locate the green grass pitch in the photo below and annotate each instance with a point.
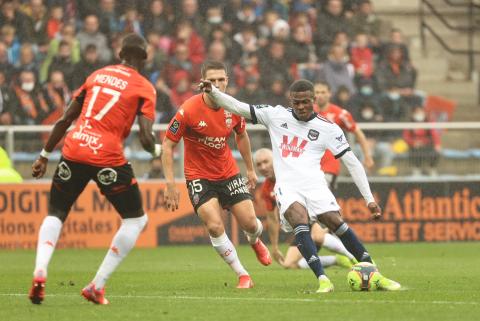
(192, 283)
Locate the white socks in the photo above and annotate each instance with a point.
(47, 240)
(253, 237)
(121, 245)
(334, 244)
(326, 260)
(226, 250)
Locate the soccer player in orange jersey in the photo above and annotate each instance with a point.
(212, 174)
(344, 119)
(104, 109)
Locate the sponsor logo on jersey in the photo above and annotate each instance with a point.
(213, 142)
(260, 106)
(202, 124)
(292, 147)
(174, 126)
(313, 134)
(64, 171)
(284, 125)
(88, 138)
(107, 176)
(341, 141)
(237, 186)
(228, 119)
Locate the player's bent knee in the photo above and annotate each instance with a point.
(332, 220)
(249, 224)
(215, 229)
(296, 214)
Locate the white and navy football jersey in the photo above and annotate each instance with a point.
(298, 146)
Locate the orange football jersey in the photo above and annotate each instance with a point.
(111, 98)
(205, 132)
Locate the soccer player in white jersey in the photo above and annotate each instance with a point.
(299, 139)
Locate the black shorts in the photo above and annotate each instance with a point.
(118, 184)
(229, 191)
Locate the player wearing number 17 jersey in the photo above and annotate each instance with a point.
(104, 108)
(299, 139)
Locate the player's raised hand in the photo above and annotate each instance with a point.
(39, 167)
(375, 210)
(172, 196)
(205, 85)
(251, 180)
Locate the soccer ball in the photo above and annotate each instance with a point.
(363, 276)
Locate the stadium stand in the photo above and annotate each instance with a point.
(367, 50)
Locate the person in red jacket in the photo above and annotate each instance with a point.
(361, 57)
(343, 118)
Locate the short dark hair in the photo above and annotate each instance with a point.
(323, 83)
(133, 46)
(212, 65)
(301, 85)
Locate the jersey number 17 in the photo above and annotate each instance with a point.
(115, 96)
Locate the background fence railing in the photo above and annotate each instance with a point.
(459, 153)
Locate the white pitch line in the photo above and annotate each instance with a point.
(217, 298)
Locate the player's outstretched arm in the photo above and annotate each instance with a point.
(224, 100)
(362, 141)
(147, 139)
(171, 192)
(360, 178)
(74, 109)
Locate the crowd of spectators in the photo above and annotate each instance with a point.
(49, 47)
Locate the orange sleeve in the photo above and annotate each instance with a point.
(147, 103)
(266, 196)
(240, 127)
(177, 126)
(347, 121)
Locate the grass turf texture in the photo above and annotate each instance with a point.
(192, 283)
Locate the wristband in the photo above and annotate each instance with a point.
(44, 153)
(157, 150)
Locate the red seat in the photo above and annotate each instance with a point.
(439, 108)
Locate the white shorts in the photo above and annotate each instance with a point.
(316, 200)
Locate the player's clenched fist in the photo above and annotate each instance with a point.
(171, 197)
(39, 167)
(205, 85)
(375, 210)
